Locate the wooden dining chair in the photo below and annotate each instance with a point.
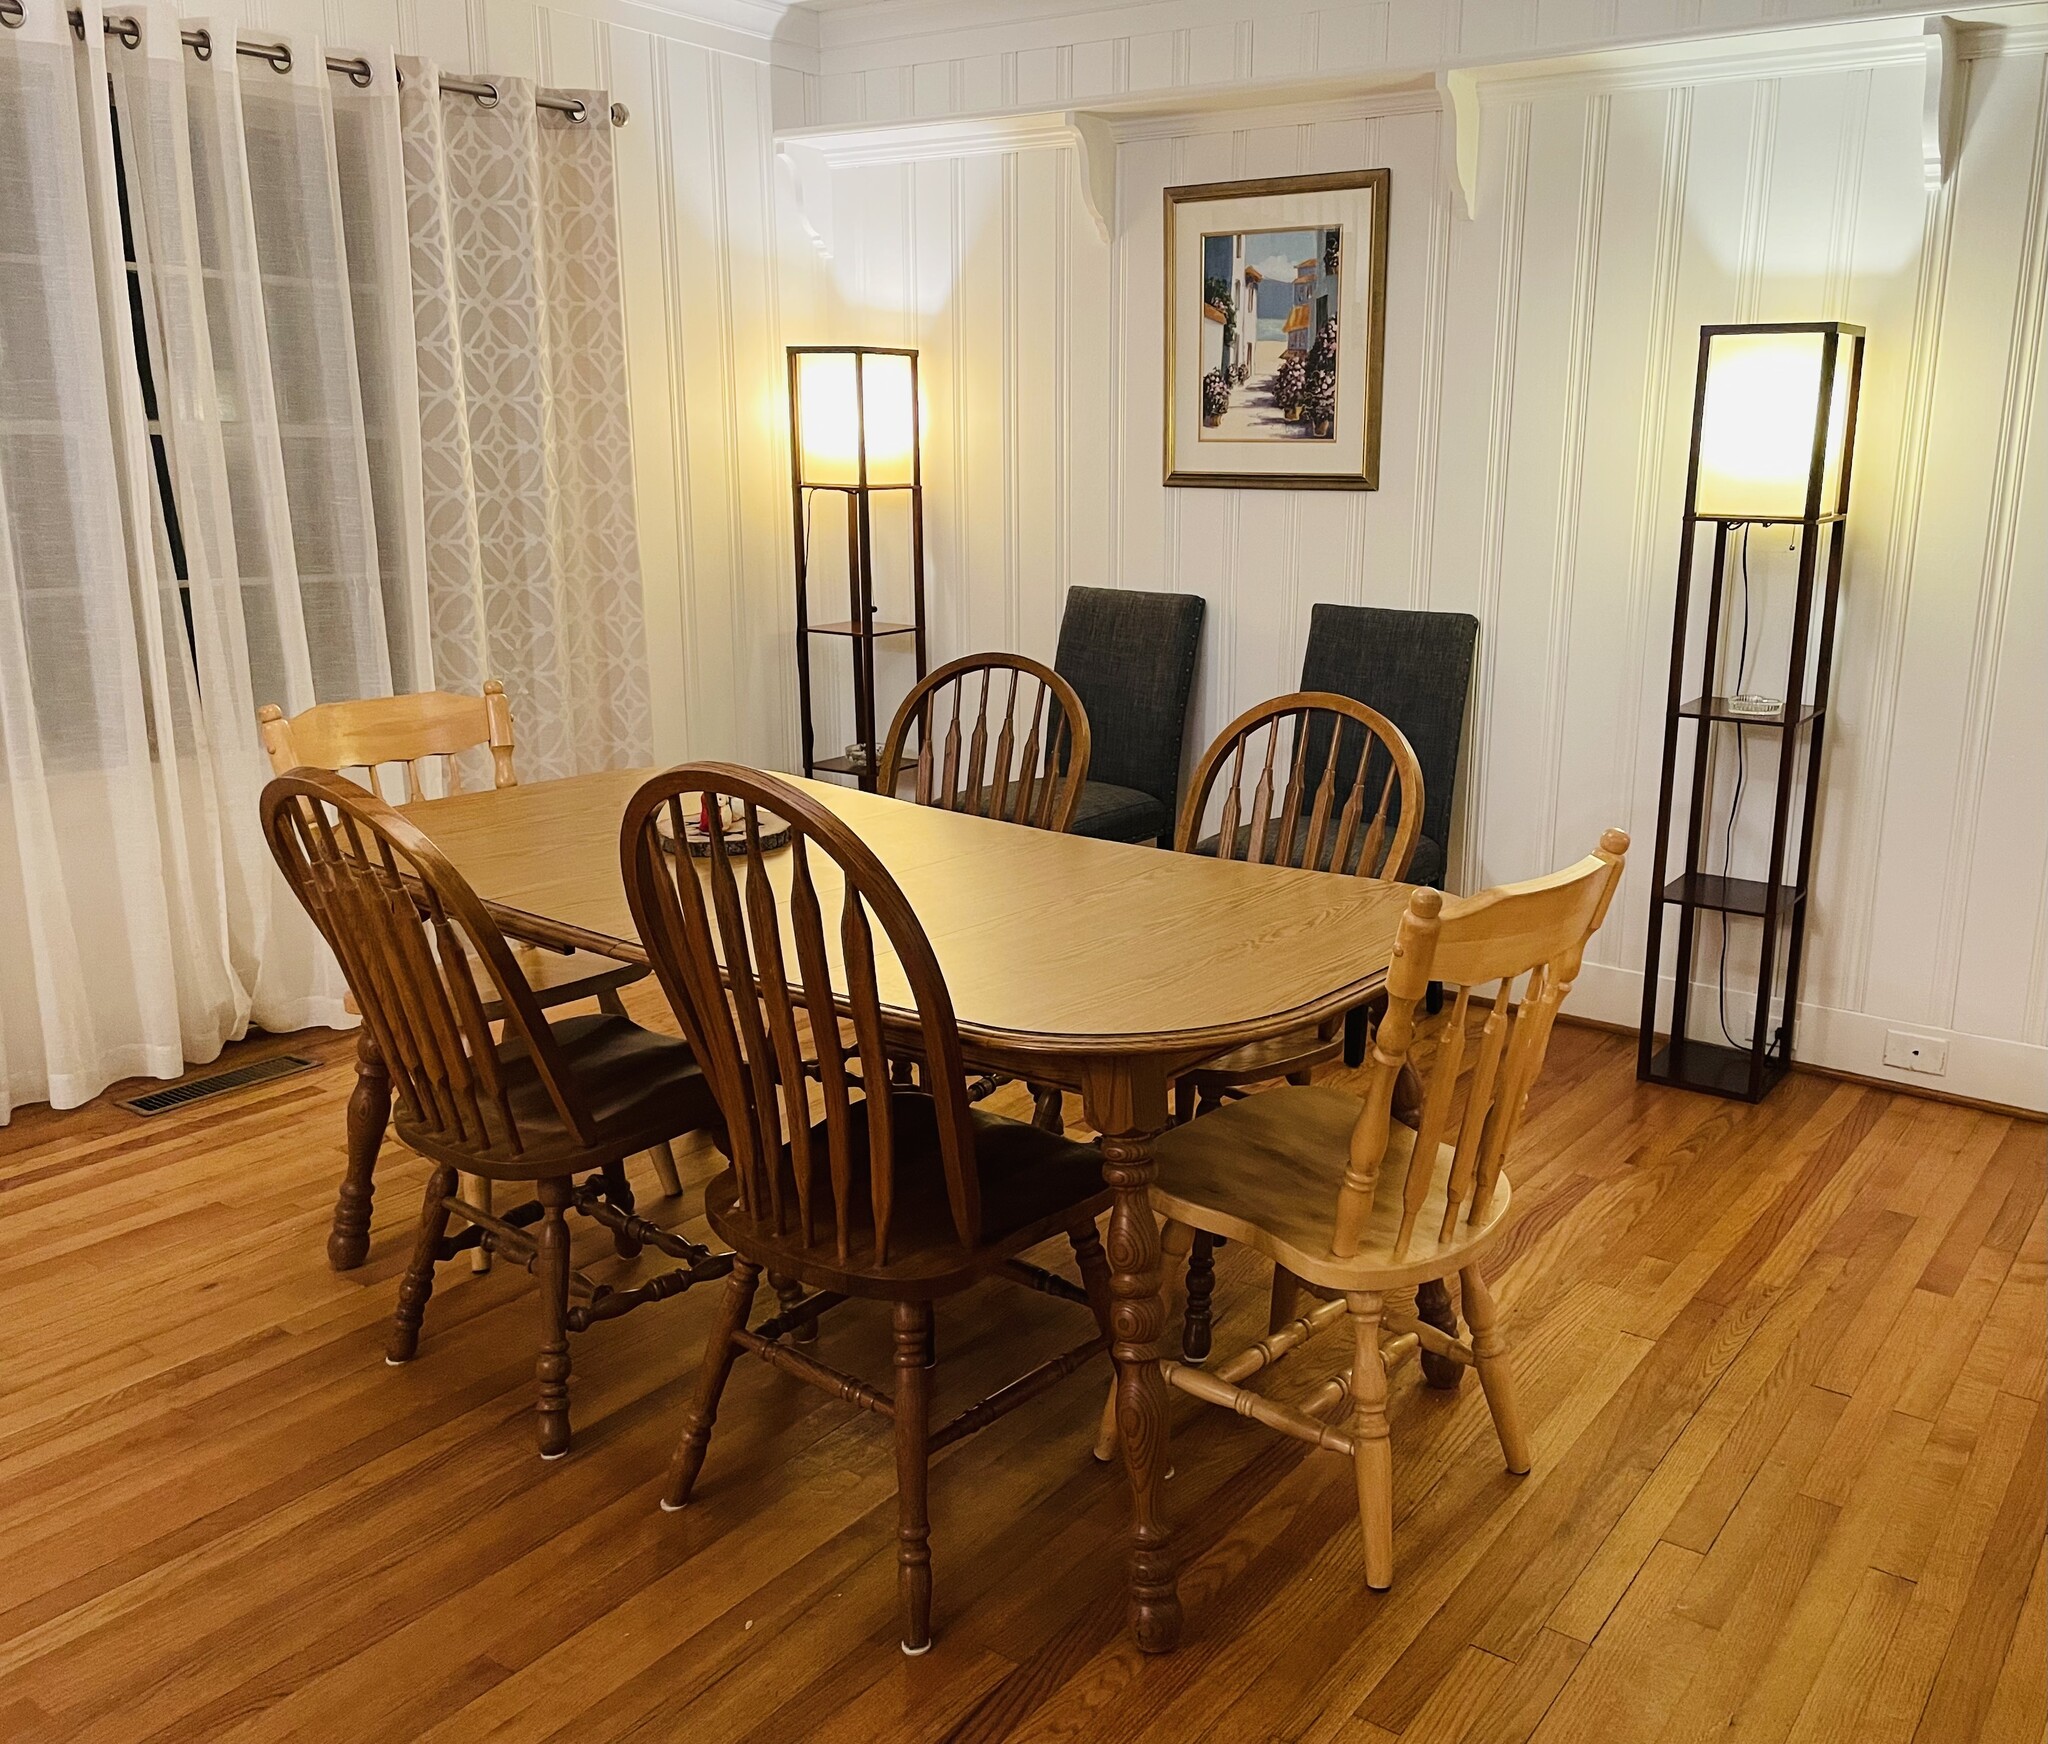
(544, 1102)
(892, 1193)
(424, 734)
(1345, 1194)
(998, 735)
(1309, 780)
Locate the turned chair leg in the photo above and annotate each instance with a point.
(618, 1191)
(1490, 1354)
(369, 1113)
(720, 1352)
(477, 1190)
(1285, 1302)
(1048, 1108)
(661, 1156)
(1094, 1264)
(1175, 1239)
(551, 1264)
(788, 1293)
(913, 1322)
(1373, 1455)
(418, 1283)
(1197, 1328)
(1433, 1308)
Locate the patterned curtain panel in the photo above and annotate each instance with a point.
(533, 566)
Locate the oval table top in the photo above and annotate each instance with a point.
(1049, 943)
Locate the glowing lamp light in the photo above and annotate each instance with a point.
(854, 418)
(1761, 416)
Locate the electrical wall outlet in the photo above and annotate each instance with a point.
(1915, 1053)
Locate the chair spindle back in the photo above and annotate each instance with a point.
(998, 735)
(410, 731)
(1346, 785)
(1534, 933)
(405, 926)
(767, 957)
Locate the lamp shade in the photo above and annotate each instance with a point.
(1761, 414)
(854, 416)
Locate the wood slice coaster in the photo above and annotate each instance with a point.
(774, 834)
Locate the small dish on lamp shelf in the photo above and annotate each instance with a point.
(1751, 704)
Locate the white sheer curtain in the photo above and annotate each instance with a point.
(532, 558)
(274, 464)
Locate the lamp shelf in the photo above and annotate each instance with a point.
(847, 627)
(1717, 708)
(1720, 895)
(1768, 520)
(835, 766)
(1712, 1068)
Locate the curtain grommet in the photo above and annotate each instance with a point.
(620, 115)
(12, 14)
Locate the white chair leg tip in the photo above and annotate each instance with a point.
(910, 1652)
(668, 1507)
(564, 1454)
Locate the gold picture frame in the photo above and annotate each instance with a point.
(1266, 387)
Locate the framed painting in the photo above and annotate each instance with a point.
(1276, 297)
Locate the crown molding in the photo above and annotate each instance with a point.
(1940, 43)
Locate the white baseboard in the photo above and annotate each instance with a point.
(1986, 1068)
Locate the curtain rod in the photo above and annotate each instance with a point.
(278, 55)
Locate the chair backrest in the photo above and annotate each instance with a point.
(764, 955)
(407, 928)
(1536, 930)
(1024, 754)
(406, 730)
(1130, 656)
(1416, 669)
(1347, 790)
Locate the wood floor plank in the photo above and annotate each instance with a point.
(1782, 1366)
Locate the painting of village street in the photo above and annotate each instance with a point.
(1269, 335)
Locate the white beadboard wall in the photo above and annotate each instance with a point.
(1539, 372)
(709, 282)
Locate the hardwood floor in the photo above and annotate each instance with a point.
(1784, 1368)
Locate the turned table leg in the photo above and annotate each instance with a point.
(1141, 1394)
(369, 1112)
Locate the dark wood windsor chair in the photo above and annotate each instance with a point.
(998, 735)
(903, 1195)
(422, 732)
(1310, 780)
(543, 1103)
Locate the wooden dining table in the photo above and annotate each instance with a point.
(1098, 967)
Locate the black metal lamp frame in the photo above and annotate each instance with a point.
(860, 628)
(1748, 1074)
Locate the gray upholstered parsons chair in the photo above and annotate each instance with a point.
(1131, 658)
(1416, 669)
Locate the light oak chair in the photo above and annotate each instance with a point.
(896, 1194)
(413, 732)
(999, 735)
(544, 1102)
(1310, 780)
(1346, 1195)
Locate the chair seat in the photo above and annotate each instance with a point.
(639, 1087)
(1273, 1057)
(1119, 814)
(1265, 1171)
(1033, 1184)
